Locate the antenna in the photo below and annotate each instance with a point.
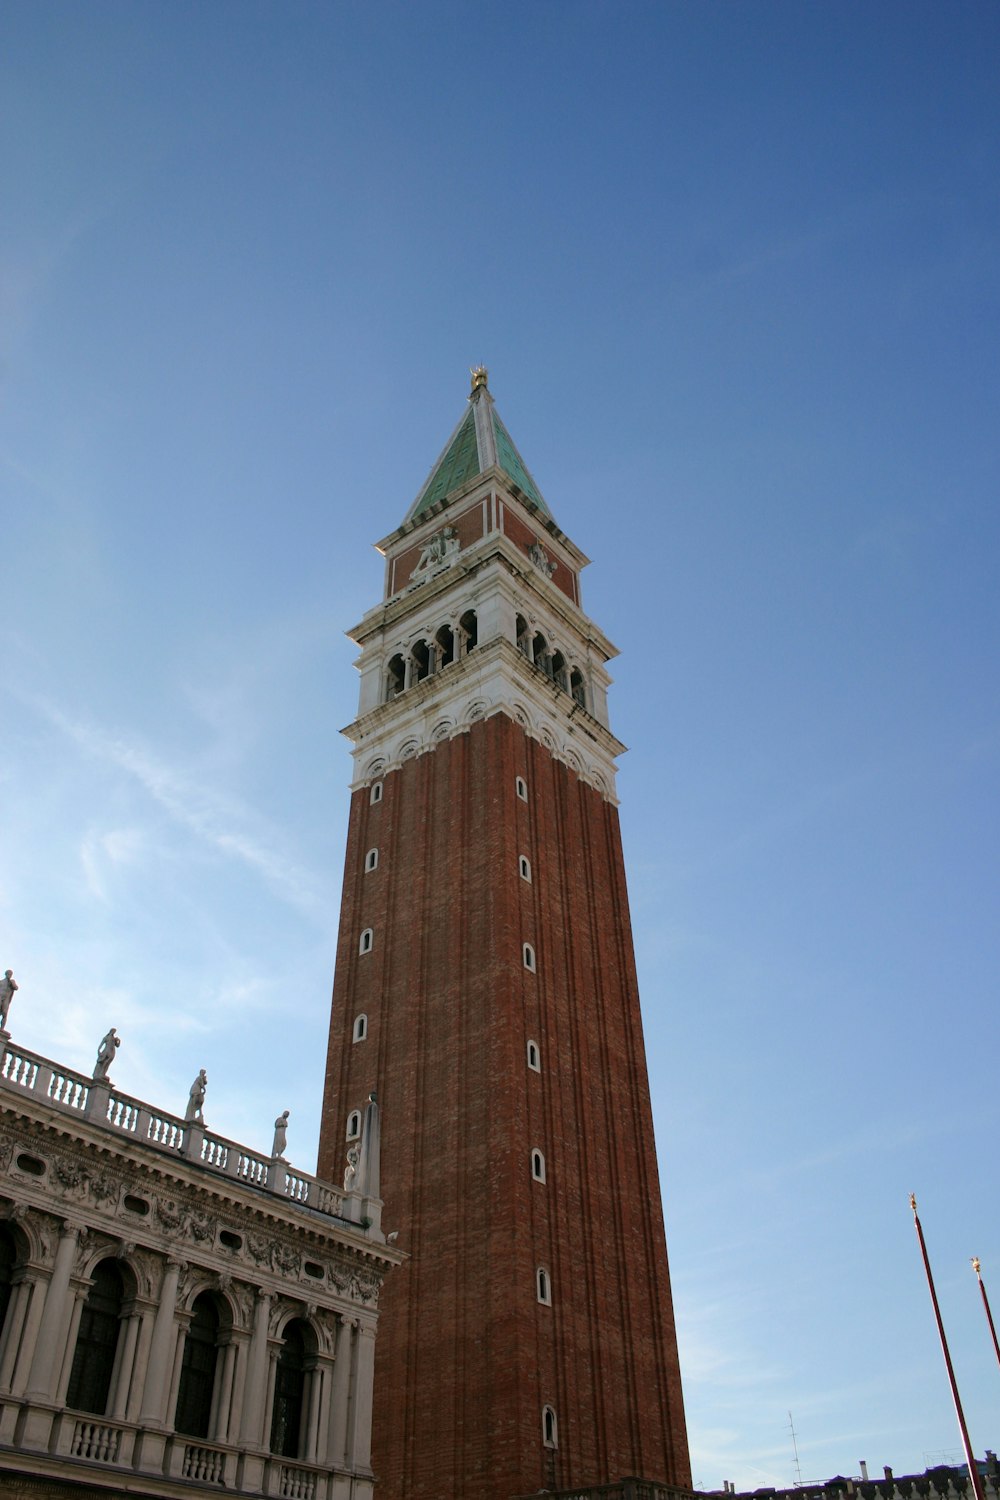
(795, 1450)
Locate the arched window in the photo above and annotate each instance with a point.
(97, 1341)
(470, 630)
(529, 957)
(534, 1057)
(540, 652)
(537, 1165)
(523, 636)
(360, 1027)
(289, 1392)
(445, 642)
(521, 788)
(557, 670)
(543, 1286)
(8, 1260)
(577, 687)
(422, 657)
(366, 941)
(371, 860)
(376, 792)
(197, 1383)
(354, 1125)
(395, 677)
(550, 1428)
(524, 866)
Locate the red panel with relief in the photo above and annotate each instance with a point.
(455, 532)
(524, 537)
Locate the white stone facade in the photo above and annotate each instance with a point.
(511, 605)
(180, 1311)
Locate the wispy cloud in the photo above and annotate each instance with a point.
(217, 820)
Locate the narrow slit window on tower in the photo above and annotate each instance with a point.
(367, 939)
(537, 1165)
(529, 957)
(550, 1428)
(534, 1057)
(521, 787)
(360, 1027)
(524, 866)
(376, 792)
(371, 860)
(543, 1286)
(353, 1125)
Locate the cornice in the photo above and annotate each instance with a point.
(467, 564)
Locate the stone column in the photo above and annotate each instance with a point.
(13, 1323)
(128, 1361)
(180, 1335)
(79, 1298)
(146, 1313)
(359, 1437)
(252, 1422)
(241, 1340)
(154, 1393)
(219, 1426)
(312, 1417)
(23, 1352)
(340, 1395)
(49, 1344)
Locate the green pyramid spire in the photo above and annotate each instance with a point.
(479, 442)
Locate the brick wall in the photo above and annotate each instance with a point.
(466, 1355)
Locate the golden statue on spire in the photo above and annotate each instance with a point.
(480, 376)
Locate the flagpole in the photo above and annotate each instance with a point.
(986, 1304)
(974, 1475)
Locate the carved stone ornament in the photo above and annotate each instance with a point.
(438, 550)
(286, 1260)
(103, 1187)
(365, 1286)
(68, 1172)
(538, 555)
(169, 1213)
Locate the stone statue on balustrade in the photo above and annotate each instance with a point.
(196, 1099)
(106, 1056)
(351, 1174)
(8, 984)
(280, 1136)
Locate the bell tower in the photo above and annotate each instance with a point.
(486, 992)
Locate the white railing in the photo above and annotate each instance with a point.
(24, 1070)
(20, 1068)
(295, 1483)
(96, 1440)
(207, 1465)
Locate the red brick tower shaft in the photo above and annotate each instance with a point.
(486, 988)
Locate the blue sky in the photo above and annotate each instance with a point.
(733, 268)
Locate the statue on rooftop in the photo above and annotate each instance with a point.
(280, 1135)
(196, 1099)
(351, 1174)
(106, 1055)
(8, 984)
